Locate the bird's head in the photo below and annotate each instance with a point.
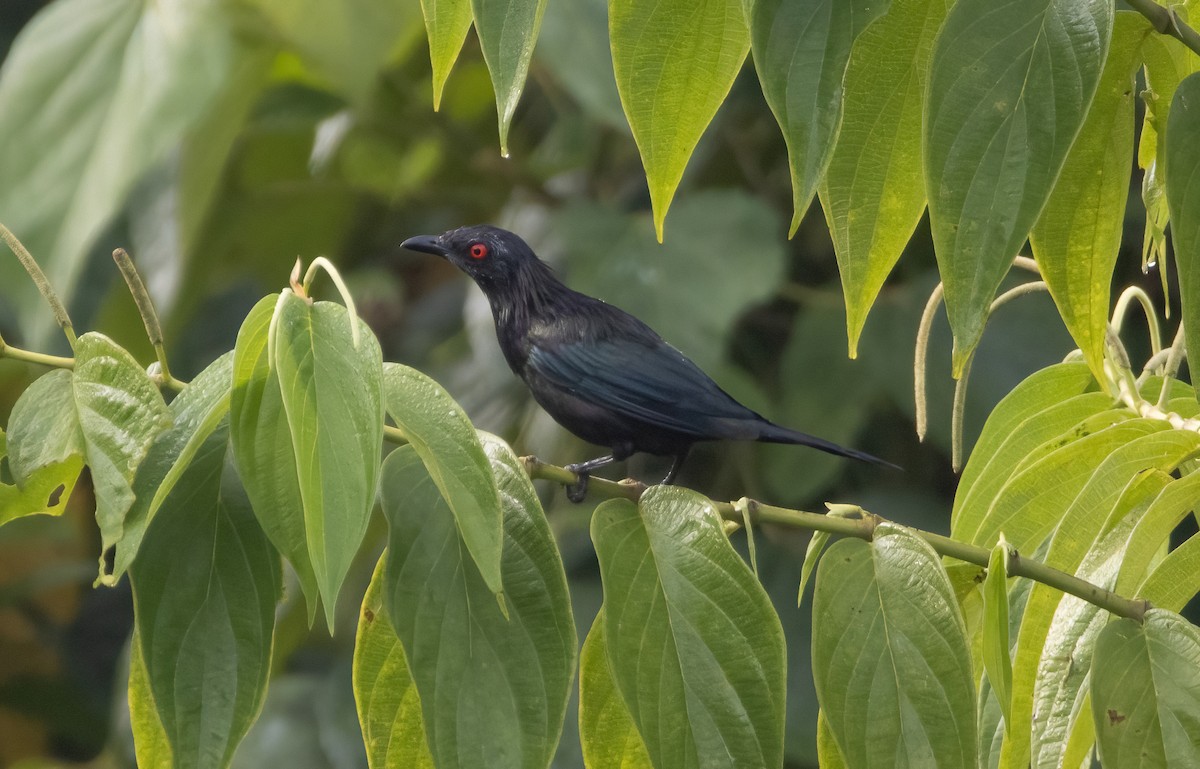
(493, 257)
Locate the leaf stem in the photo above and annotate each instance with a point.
(1167, 22)
(145, 307)
(28, 356)
(863, 527)
(42, 282)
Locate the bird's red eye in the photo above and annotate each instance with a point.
(478, 251)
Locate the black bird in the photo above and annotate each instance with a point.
(600, 372)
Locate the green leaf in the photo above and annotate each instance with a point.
(493, 689)
(333, 398)
(1034, 412)
(1153, 530)
(45, 492)
(888, 640)
(192, 421)
(347, 42)
(1031, 504)
(121, 412)
(1078, 235)
(389, 709)
(1176, 580)
(1001, 113)
(205, 587)
(800, 52)
(1183, 198)
(444, 438)
(613, 256)
(112, 85)
(829, 756)
(507, 30)
(606, 730)
(153, 749)
(693, 643)
(996, 661)
(675, 61)
(1060, 689)
(874, 190)
(446, 25)
(1146, 692)
(43, 428)
(812, 555)
(263, 448)
(1077, 532)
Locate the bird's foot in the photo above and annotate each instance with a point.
(578, 490)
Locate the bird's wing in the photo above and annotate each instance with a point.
(654, 383)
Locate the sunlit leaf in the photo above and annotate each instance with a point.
(888, 640)
(675, 61)
(45, 492)
(996, 661)
(800, 52)
(1182, 164)
(1146, 692)
(1001, 113)
(1078, 235)
(333, 398)
(606, 731)
(693, 643)
(493, 688)
(389, 709)
(150, 742)
(446, 24)
(447, 443)
(874, 189)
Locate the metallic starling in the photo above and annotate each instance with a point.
(600, 372)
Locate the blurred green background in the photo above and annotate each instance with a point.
(323, 141)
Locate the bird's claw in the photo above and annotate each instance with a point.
(578, 490)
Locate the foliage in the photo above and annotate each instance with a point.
(1046, 626)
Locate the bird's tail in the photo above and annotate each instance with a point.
(773, 433)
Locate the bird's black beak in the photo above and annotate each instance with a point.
(428, 244)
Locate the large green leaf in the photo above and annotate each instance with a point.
(263, 448)
(507, 31)
(389, 709)
(1076, 239)
(874, 191)
(606, 731)
(447, 443)
(195, 414)
(446, 25)
(1146, 692)
(1079, 530)
(890, 657)
(800, 51)
(613, 256)
(112, 85)
(1176, 579)
(43, 428)
(1023, 420)
(205, 587)
(693, 643)
(1060, 690)
(675, 61)
(493, 688)
(1183, 197)
(1031, 503)
(1001, 113)
(332, 392)
(151, 745)
(120, 412)
(1152, 531)
(44, 492)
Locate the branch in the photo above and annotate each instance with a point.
(863, 527)
(1167, 22)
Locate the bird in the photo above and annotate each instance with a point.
(599, 371)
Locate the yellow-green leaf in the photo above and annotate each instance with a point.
(446, 24)
(1078, 235)
(606, 731)
(675, 61)
(874, 191)
(1182, 166)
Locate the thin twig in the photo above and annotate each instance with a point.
(1167, 22)
(863, 527)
